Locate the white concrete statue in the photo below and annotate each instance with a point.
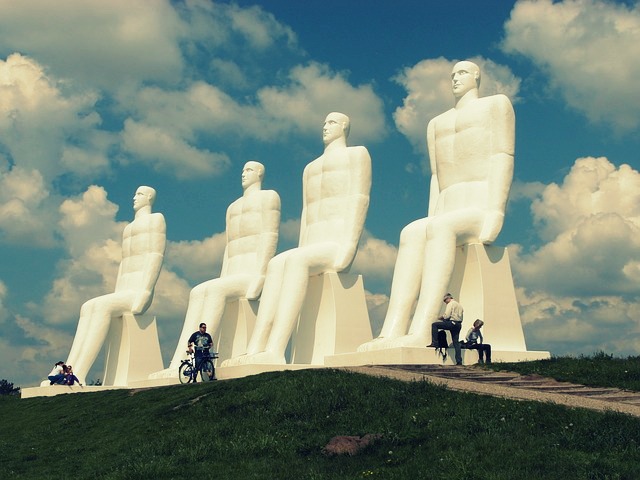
(471, 149)
(336, 189)
(252, 224)
(143, 245)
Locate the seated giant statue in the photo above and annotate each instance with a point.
(471, 149)
(336, 189)
(252, 223)
(143, 245)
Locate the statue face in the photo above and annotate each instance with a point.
(141, 198)
(464, 77)
(251, 173)
(333, 128)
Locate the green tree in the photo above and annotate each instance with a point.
(7, 388)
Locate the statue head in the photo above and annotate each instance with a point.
(465, 76)
(252, 172)
(144, 197)
(336, 125)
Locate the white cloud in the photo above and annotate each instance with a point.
(525, 190)
(123, 41)
(588, 48)
(259, 28)
(46, 128)
(162, 150)
(165, 125)
(572, 326)
(375, 259)
(38, 348)
(88, 219)
(290, 231)
(428, 86)
(90, 274)
(3, 310)
(314, 91)
(582, 281)
(216, 26)
(198, 260)
(377, 305)
(27, 215)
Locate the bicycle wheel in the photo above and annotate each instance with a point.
(185, 372)
(207, 371)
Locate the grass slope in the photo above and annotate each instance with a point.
(273, 426)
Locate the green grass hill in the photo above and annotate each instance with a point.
(274, 426)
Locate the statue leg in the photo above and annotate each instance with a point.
(299, 265)
(443, 234)
(266, 310)
(405, 285)
(207, 302)
(93, 327)
(438, 266)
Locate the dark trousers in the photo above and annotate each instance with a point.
(484, 349)
(454, 328)
(56, 379)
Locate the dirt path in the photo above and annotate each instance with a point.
(514, 386)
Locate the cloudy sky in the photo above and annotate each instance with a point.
(97, 98)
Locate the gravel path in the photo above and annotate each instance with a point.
(498, 389)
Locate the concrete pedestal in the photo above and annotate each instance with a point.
(236, 327)
(334, 319)
(483, 283)
(133, 350)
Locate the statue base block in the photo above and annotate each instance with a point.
(426, 356)
(236, 327)
(133, 350)
(334, 318)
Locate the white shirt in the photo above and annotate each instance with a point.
(453, 311)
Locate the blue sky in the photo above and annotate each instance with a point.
(97, 98)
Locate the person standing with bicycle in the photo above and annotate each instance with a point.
(202, 342)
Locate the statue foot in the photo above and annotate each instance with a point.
(411, 340)
(261, 358)
(379, 343)
(233, 362)
(166, 373)
(264, 358)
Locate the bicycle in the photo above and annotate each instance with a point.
(188, 371)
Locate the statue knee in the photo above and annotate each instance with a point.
(197, 292)
(414, 232)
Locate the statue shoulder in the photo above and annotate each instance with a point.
(359, 153)
(156, 220)
(438, 117)
(270, 198)
(499, 101)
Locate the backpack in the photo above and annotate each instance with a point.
(441, 349)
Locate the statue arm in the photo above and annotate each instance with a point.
(268, 241)
(356, 205)
(501, 164)
(225, 255)
(303, 215)
(434, 187)
(152, 263)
